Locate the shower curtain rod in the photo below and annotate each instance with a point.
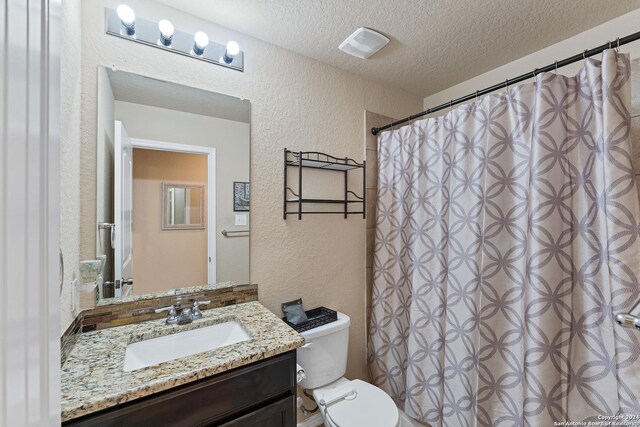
(570, 60)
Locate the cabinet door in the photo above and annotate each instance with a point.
(278, 414)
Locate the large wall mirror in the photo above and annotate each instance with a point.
(168, 157)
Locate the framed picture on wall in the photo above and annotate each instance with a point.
(241, 196)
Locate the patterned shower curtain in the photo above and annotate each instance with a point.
(507, 238)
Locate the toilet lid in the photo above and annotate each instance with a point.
(371, 407)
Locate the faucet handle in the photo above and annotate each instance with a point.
(169, 309)
(195, 309)
(172, 317)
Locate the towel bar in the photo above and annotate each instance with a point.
(226, 233)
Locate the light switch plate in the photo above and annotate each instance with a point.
(241, 219)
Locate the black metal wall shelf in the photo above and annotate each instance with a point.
(317, 160)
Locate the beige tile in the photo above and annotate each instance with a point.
(370, 246)
(372, 200)
(368, 288)
(369, 284)
(372, 141)
(372, 169)
(373, 120)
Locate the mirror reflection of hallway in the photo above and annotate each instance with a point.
(164, 258)
(168, 117)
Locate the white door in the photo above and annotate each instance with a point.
(31, 251)
(123, 202)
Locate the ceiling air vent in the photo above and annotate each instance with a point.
(363, 43)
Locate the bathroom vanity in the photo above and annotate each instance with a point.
(247, 383)
(262, 393)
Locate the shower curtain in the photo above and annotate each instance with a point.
(507, 237)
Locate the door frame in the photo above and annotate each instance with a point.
(210, 152)
(31, 254)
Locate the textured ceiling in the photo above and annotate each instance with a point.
(434, 43)
(129, 87)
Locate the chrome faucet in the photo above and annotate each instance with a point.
(172, 317)
(185, 315)
(195, 309)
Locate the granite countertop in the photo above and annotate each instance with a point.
(93, 377)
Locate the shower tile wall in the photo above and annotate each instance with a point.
(371, 156)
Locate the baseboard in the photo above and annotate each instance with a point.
(313, 421)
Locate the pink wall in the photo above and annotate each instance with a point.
(165, 259)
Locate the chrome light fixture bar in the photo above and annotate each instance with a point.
(125, 24)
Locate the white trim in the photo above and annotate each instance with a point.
(211, 193)
(170, 146)
(29, 214)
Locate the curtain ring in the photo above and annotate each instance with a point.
(609, 44)
(477, 92)
(584, 54)
(618, 45)
(507, 82)
(556, 66)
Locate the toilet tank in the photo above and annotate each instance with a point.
(324, 353)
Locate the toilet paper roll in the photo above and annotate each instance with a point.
(300, 373)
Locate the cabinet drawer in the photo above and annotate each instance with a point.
(208, 401)
(278, 414)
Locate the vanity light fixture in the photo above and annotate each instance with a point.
(127, 19)
(200, 42)
(166, 32)
(122, 22)
(230, 52)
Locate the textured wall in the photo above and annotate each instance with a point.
(297, 103)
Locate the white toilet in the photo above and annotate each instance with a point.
(343, 403)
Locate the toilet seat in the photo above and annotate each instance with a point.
(370, 407)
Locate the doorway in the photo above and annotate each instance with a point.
(166, 244)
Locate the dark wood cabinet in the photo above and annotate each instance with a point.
(262, 394)
(279, 414)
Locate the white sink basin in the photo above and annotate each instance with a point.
(154, 351)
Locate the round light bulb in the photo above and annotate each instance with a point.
(200, 41)
(127, 18)
(232, 49)
(166, 32)
(126, 14)
(166, 28)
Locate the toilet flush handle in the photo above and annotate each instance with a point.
(307, 345)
